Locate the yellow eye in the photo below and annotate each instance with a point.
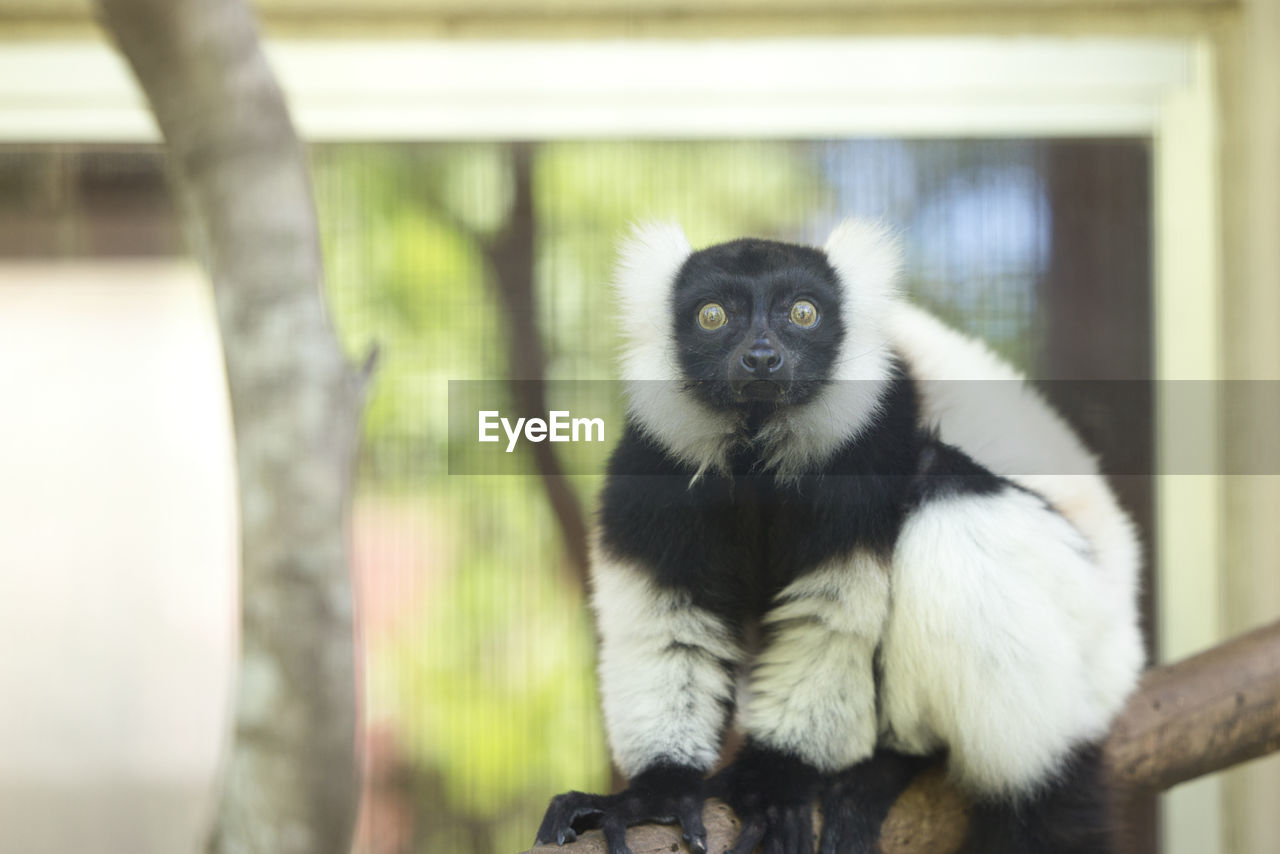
(712, 316)
(804, 313)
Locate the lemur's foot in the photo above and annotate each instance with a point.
(659, 795)
(773, 795)
(855, 801)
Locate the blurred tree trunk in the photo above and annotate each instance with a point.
(290, 783)
(511, 258)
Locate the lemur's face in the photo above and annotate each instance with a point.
(757, 323)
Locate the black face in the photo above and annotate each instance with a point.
(757, 323)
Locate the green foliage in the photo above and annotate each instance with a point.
(491, 683)
(407, 275)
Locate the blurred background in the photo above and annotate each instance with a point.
(1090, 188)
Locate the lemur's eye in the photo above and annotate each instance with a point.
(712, 316)
(804, 313)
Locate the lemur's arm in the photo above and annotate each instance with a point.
(811, 707)
(669, 651)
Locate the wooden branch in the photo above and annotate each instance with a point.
(1198, 716)
(290, 784)
(1209, 712)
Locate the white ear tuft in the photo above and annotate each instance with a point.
(648, 261)
(651, 241)
(868, 260)
(644, 282)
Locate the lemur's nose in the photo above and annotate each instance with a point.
(761, 361)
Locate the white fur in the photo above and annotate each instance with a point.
(999, 623)
(983, 406)
(867, 261)
(694, 433)
(981, 403)
(1013, 635)
(812, 691)
(661, 678)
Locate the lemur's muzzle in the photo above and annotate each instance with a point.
(760, 371)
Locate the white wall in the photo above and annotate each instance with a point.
(117, 557)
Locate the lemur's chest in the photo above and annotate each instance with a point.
(783, 530)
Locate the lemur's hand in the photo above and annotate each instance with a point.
(773, 795)
(661, 795)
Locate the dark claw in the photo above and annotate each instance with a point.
(750, 836)
(691, 823)
(564, 812)
(662, 795)
(615, 834)
(803, 819)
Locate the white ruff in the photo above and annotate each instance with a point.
(657, 400)
(798, 439)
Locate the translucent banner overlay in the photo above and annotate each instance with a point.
(1132, 427)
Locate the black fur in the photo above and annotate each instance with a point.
(1071, 814)
(945, 470)
(772, 794)
(734, 540)
(756, 281)
(856, 801)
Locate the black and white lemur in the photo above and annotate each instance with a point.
(862, 532)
